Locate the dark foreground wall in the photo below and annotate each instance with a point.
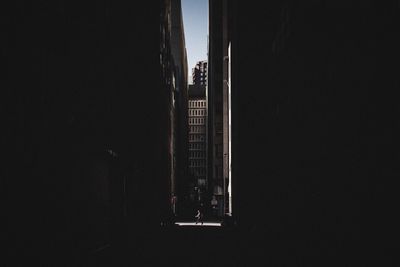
(315, 132)
(80, 79)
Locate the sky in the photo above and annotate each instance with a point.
(195, 21)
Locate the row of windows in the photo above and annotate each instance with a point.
(198, 170)
(197, 112)
(197, 129)
(197, 137)
(197, 104)
(197, 154)
(196, 120)
(197, 163)
(200, 146)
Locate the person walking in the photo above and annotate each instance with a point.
(199, 217)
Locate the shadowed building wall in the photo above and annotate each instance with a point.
(81, 80)
(178, 50)
(314, 145)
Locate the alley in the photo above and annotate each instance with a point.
(288, 135)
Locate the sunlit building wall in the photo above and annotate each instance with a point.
(197, 134)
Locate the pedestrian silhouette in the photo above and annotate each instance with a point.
(199, 217)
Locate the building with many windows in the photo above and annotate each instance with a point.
(198, 139)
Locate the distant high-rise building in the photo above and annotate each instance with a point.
(198, 136)
(199, 73)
